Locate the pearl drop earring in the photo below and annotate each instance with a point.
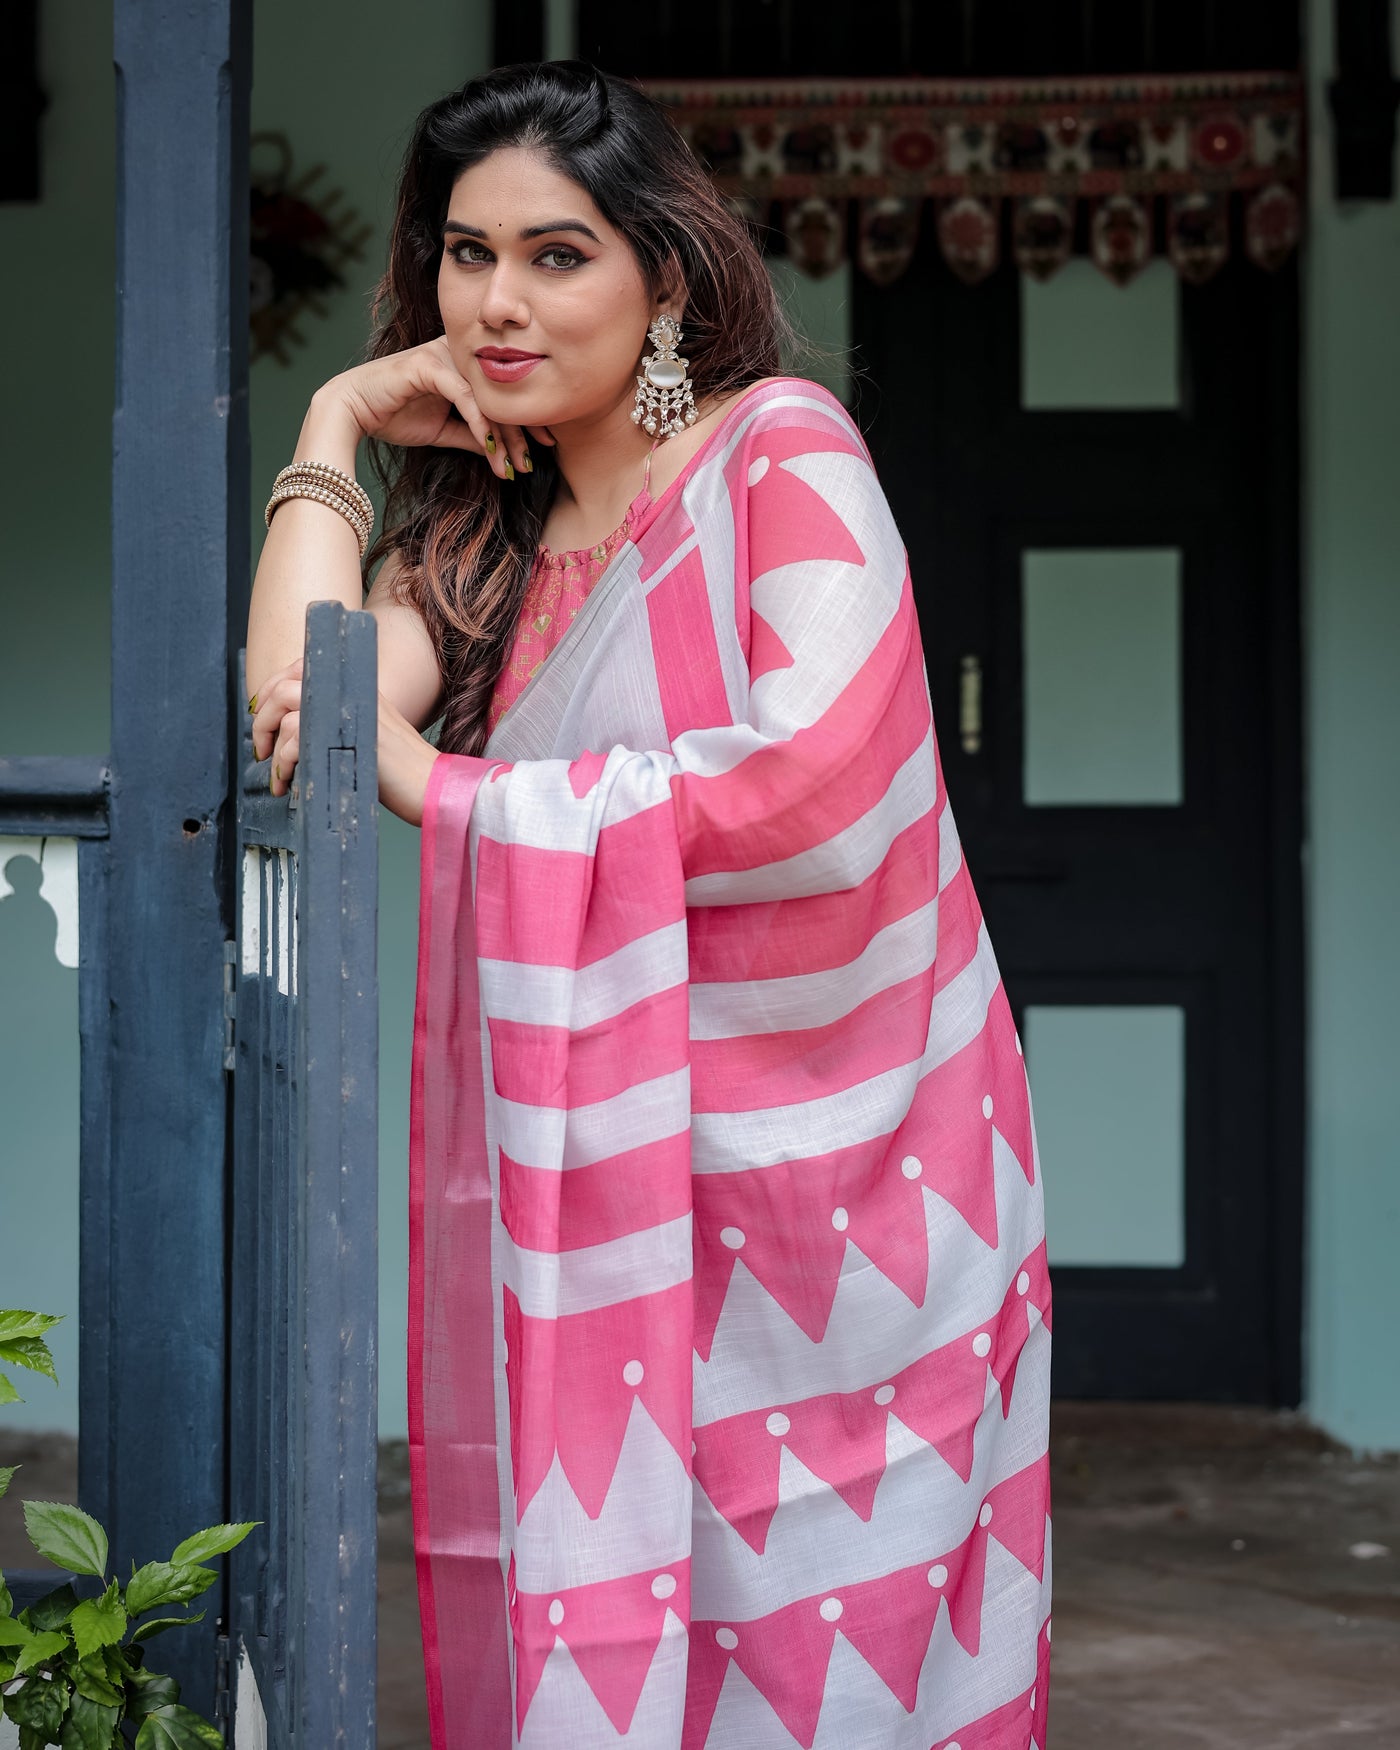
(664, 394)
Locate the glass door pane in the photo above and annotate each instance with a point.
(1087, 343)
(1101, 643)
(1109, 1086)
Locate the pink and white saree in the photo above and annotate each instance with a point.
(729, 1340)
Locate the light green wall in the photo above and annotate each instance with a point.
(347, 105)
(1352, 641)
(56, 313)
(55, 465)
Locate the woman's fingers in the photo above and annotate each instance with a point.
(285, 753)
(505, 447)
(517, 444)
(476, 432)
(278, 695)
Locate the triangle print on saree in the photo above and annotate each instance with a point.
(731, 1321)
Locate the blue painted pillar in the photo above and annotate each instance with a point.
(153, 1448)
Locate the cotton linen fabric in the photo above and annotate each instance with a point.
(730, 1315)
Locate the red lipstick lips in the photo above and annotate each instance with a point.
(507, 364)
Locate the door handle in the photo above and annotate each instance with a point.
(970, 704)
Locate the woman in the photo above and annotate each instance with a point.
(729, 1350)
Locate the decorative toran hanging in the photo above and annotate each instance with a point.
(799, 156)
(300, 238)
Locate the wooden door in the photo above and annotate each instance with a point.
(1146, 910)
(1109, 605)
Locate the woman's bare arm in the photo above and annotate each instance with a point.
(311, 553)
(410, 674)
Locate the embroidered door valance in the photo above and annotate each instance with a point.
(1155, 161)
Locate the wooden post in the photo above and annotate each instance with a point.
(153, 1450)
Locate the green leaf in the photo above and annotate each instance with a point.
(8, 1394)
(150, 1692)
(176, 1728)
(40, 1705)
(53, 1609)
(38, 1648)
(26, 1324)
(98, 1622)
(90, 1725)
(216, 1541)
(119, 1665)
(7, 1669)
(89, 1677)
(7, 1476)
(7, 1603)
(29, 1739)
(30, 1352)
(158, 1625)
(166, 1583)
(67, 1536)
(12, 1633)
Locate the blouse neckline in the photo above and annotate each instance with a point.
(601, 550)
(604, 549)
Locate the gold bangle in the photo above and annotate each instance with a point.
(323, 474)
(295, 490)
(327, 485)
(326, 495)
(328, 491)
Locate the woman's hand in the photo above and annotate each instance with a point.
(277, 724)
(405, 758)
(418, 397)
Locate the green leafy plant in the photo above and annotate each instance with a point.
(22, 1345)
(72, 1670)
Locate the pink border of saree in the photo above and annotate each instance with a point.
(462, 1484)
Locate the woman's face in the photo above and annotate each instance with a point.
(529, 265)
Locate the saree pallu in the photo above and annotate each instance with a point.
(729, 1328)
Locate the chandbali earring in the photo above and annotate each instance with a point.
(664, 393)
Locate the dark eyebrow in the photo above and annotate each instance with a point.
(454, 225)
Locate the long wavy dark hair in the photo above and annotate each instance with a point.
(466, 539)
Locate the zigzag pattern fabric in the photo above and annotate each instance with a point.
(730, 1315)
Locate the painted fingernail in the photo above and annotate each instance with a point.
(490, 443)
(253, 703)
(277, 770)
(527, 463)
(510, 472)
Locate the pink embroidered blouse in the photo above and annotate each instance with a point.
(558, 587)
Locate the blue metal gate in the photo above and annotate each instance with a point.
(303, 1046)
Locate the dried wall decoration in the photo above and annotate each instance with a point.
(1129, 166)
(300, 240)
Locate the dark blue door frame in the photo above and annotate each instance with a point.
(153, 819)
(155, 1337)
